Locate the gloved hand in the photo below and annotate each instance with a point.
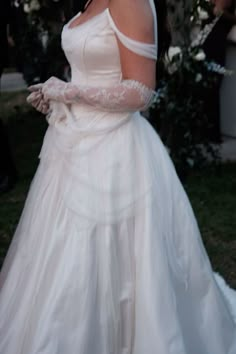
(37, 100)
(54, 89)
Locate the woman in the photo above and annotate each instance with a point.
(107, 257)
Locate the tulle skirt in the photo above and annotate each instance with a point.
(107, 257)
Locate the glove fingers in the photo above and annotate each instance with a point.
(35, 103)
(37, 87)
(34, 96)
(43, 107)
(39, 106)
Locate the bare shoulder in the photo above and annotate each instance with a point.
(134, 18)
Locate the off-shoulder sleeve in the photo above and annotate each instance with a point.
(147, 50)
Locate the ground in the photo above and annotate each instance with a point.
(211, 190)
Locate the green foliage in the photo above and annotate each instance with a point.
(41, 40)
(45, 10)
(179, 113)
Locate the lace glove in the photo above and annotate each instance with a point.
(128, 95)
(37, 100)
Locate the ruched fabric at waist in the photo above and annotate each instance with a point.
(80, 127)
(86, 119)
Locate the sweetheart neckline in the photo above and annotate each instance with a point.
(105, 11)
(83, 23)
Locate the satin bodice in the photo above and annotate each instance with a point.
(93, 54)
(92, 50)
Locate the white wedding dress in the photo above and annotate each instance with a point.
(107, 257)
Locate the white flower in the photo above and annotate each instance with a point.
(44, 39)
(200, 56)
(34, 5)
(202, 14)
(173, 51)
(16, 3)
(26, 8)
(172, 64)
(198, 77)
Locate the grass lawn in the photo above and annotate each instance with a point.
(211, 191)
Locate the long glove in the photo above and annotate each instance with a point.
(126, 96)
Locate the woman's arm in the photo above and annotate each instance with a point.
(135, 19)
(126, 96)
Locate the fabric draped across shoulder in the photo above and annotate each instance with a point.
(147, 50)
